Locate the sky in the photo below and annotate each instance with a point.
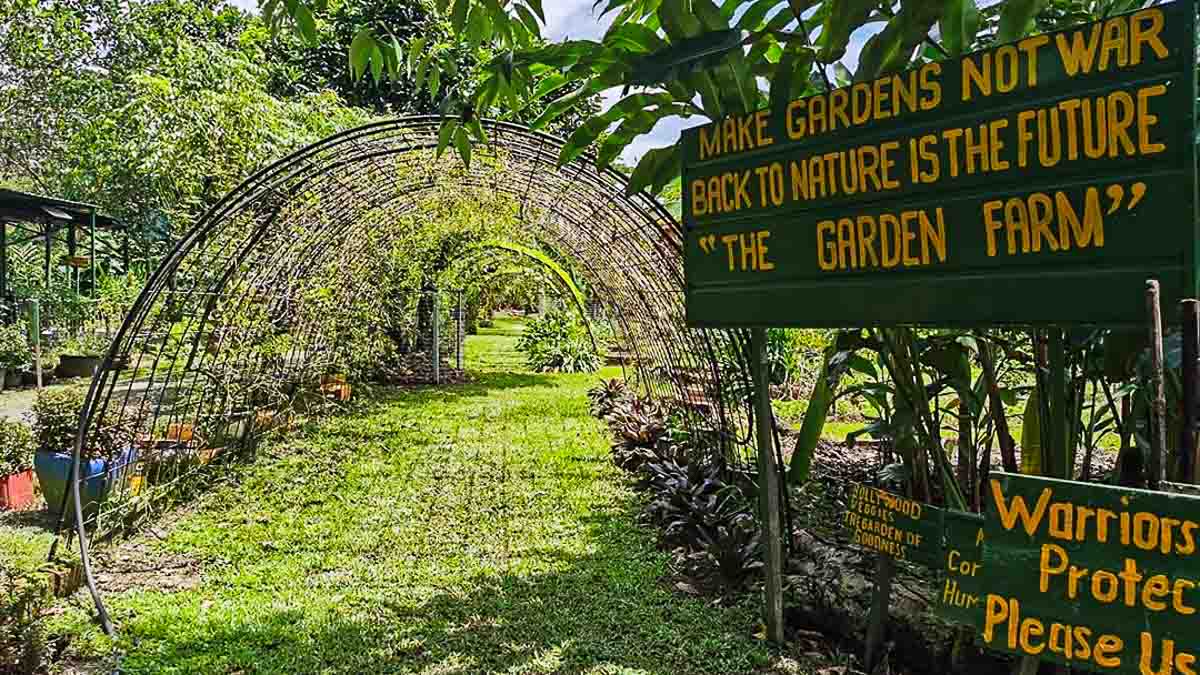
(575, 20)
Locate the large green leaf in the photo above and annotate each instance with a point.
(634, 125)
(684, 56)
(711, 17)
(634, 37)
(812, 426)
(463, 143)
(656, 169)
(794, 67)
(445, 134)
(458, 15)
(678, 21)
(959, 25)
(1016, 19)
(360, 51)
(845, 16)
(305, 24)
(585, 135)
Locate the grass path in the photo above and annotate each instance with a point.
(468, 529)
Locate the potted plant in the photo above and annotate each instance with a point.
(14, 351)
(335, 386)
(16, 465)
(80, 357)
(107, 458)
(50, 361)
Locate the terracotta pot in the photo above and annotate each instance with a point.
(16, 491)
(338, 392)
(182, 431)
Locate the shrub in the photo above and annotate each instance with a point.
(14, 348)
(606, 396)
(16, 447)
(56, 421)
(558, 342)
(56, 418)
(88, 344)
(23, 601)
(698, 510)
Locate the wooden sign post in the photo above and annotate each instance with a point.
(768, 488)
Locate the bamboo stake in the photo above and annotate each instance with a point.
(1158, 411)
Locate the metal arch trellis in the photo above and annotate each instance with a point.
(180, 381)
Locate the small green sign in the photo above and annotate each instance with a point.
(1037, 182)
(963, 587)
(894, 526)
(1097, 577)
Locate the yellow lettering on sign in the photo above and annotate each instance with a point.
(1003, 621)
(910, 238)
(1027, 223)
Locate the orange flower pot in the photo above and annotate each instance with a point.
(16, 491)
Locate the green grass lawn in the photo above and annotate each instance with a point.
(466, 529)
(492, 349)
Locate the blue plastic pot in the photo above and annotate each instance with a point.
(54, 471)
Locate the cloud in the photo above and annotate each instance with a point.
(248, 5)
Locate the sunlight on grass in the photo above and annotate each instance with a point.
(476, 528)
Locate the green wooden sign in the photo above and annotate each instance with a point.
(1037, 182)
(963, 587)
(894, 526)
(1101, 578)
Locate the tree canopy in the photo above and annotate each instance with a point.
(150, 109)
(682, 58)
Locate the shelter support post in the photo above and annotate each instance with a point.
(1190, 322)
(35, 334)
(49, 245)
(92, 255)
(4, 263)
(72, 248)
(768, 487)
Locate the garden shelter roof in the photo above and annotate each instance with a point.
(24, 207)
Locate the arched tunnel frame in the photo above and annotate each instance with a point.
(257, 247)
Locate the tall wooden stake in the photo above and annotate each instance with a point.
(1060, 458)
(1190, 320)
(881, 600)
(768, 478)
(1158, 412)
